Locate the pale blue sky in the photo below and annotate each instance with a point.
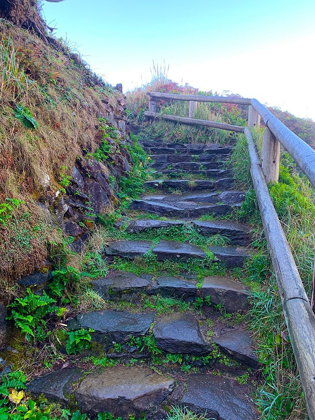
(263, 49)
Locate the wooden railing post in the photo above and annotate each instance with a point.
(253, 117)
(192, 108)
(152, 105)
(270, 156)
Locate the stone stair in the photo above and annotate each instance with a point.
(192, 355)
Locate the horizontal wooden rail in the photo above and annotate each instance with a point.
(298, 313)
(200, 98)
(192, 121)
(301, 152)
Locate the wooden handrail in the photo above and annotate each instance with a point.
(298, 312)
(200, 98)
(192, 121)
(301, 152)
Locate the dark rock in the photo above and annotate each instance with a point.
(236, 232)
(77, 178)
(182, 184)
(211, 173)
(115, 325)
(102, 287)
(231, 256)
(225, 184)
(55, 386)
(180, 333)
(143, 225)
(187, 166)
(232, 197)
(127, 281)
(223, 290)
(98, 198)
(3, 325)
(172, 286)
(238, 345)
(36, 279)
(171, 250)
(61, 209)
(123, 391)
(128, 249)
(221, 398)
(72, 228)
(156, 207)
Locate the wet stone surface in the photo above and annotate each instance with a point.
(231, 294)
(169, 286)
(180, 333)
(171, 250)
(112, 326)
(230, 256)
(221, 398)
(236, 232)
(239, 345)
(128, 249)
(124, 391)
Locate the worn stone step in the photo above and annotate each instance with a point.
(187, 166)
(230, 293)
(176, 158)
(180, 333)
(121, 390)
(220, 397)
(182, 208)
(189, 185)
(191, 149)
(164, 250)
(236, 232)
(112, 326)
(141, 225)
(231, 256)
(210, 173)
(225, 197)
(238, 345)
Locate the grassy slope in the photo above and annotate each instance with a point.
(49, 116)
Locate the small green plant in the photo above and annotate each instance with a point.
(78, 340)
(26, 117)
(64, 281)
(29, 314)
(7, 208)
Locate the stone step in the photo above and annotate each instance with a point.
(186, 166)
(238, 344)
(210, 173)
(180, 333)
(182, 208)
(231, 256)
(225, 197)
(220, 397)
(121, 390)
(112, 326)
(237, 233)
(139, 391)
(191, 149)
(176, 158)
(189, 185)
(176, 251)
(232, 295)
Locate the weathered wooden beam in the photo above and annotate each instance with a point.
(152, 105)
(297, 310)
(253, 117)
(200, 98)
(301, 152)
(192, 109)
(270, 157)
(192, 121)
